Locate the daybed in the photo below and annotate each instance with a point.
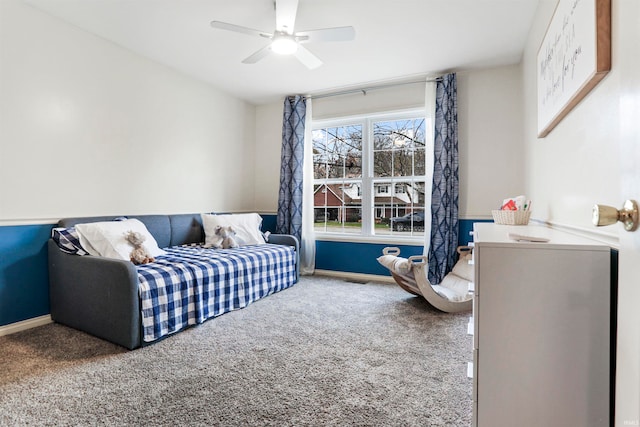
(135, 305)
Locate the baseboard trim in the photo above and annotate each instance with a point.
(23, 325)
(360, 277)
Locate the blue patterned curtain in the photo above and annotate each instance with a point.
(292, 166)
(444, 192)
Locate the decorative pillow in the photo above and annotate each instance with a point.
(68, 240)
(107, 238)
(246, 226)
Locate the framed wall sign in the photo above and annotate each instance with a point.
(574, 56)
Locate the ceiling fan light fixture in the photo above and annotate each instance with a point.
(284, 40)
(284, 45)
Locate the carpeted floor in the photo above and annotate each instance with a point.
(323, 353)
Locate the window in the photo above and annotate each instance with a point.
(382, 189)
(337, 168)
(369, 175)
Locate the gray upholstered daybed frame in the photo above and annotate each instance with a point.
(100, 295)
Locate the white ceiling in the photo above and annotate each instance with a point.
(395, 39)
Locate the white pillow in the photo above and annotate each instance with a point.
(246, 226)
(107, 238)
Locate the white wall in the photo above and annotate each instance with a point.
(126, 135)
(490, 135)
(267, 155)
(89, 128)
(577, 164)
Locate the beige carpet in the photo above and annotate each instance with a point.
(322, 353)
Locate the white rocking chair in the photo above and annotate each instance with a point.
(451, 296)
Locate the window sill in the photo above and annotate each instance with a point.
(386, 240)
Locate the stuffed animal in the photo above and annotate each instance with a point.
(226, 237)
(139, 254)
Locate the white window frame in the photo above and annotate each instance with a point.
(368, 180)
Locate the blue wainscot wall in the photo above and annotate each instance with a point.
(361, 257)
(24, 274)
(356, 257)
(24, 277)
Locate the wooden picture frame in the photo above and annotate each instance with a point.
(573, 58)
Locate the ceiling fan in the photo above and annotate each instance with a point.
(284, 40)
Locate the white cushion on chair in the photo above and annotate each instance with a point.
(445, 293)
(454, 287)
(463, 268)
(396, 264)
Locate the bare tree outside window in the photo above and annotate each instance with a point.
(337, 152)
(398, 147)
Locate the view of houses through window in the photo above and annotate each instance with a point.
(369, 175)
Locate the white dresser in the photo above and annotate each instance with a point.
(541, 329)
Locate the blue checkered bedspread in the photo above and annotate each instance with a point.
(191, 284)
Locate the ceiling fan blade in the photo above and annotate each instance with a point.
(337, 34)
(240, 29)
(307, 58)
(286, 15)
(258, 55)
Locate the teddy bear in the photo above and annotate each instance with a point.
(139, 254)
(226, 237)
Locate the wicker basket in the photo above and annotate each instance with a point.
(511, 217)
